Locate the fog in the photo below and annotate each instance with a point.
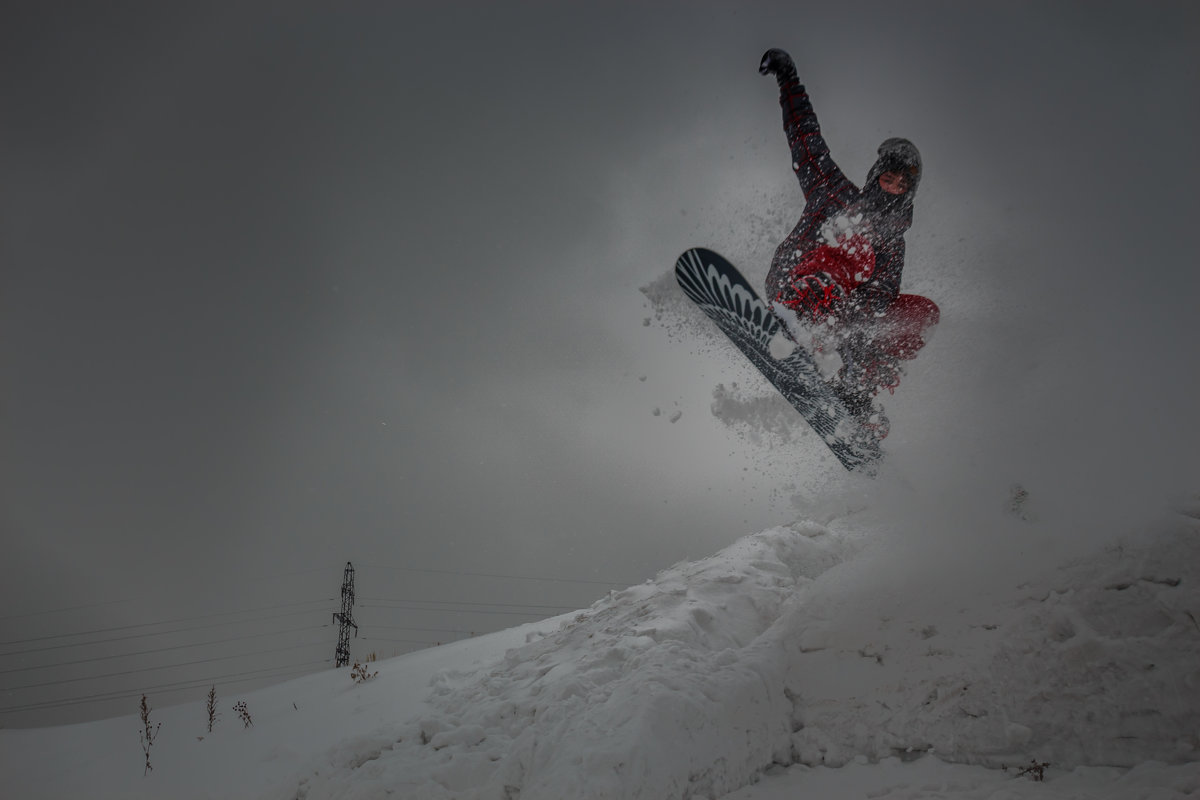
(286, 290)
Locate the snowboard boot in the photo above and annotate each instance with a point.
(872, 422)
(857, 383)
(866, 367)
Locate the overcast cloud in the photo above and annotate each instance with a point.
(285, 286)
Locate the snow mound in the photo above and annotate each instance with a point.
(718, 671)
(1094, 663)
(648, 694)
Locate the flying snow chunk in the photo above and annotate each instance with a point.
(781, 346)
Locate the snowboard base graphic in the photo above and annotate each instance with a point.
(724, 295)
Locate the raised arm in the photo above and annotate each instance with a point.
(814, 167)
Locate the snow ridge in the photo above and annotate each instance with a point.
(801, 661)
(1094, 663)
(653, 692)
(699, 682)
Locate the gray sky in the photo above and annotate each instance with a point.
(281, 290)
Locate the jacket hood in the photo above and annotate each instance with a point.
(898, 155)
(892, 213)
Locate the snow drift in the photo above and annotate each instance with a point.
(696, 683)
(791, 648)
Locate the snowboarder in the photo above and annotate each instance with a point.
(836, 276)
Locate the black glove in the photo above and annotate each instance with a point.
(778, 63)
(822, 284)
(817, 294)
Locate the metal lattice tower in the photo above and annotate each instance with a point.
(346, 618)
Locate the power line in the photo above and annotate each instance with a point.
(162, 622)
(153, 633)
(468, 603)
(495, 575)
(65, 608)
(154, 669)
(142, 598)
(421, 630)
(403, 641)
(164, 649)
(178, 626)
(269, 672)
(460, 610)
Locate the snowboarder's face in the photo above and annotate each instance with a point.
(894, 182)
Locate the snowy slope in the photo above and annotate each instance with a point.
(801, 661)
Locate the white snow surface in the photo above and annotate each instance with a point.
(811, 660)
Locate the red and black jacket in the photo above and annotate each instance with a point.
(828, 193)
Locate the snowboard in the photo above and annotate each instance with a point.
(723, 294)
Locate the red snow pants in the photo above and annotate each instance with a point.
(899, 331)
